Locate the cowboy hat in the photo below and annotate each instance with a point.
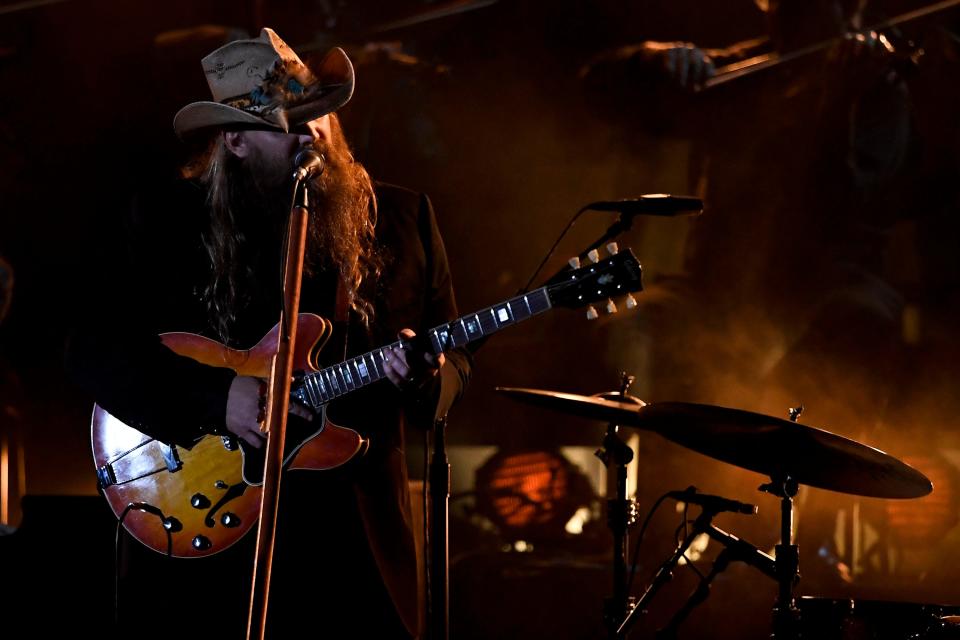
(261, 82)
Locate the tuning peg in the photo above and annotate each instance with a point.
(611, 306)
(612, 248)
(574, 262)
(631, 302)
(592, 313)
(594, 256)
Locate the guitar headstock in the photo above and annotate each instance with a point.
(601, 280)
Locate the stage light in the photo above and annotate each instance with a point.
(533, 495)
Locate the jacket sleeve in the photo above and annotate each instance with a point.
(114, 352)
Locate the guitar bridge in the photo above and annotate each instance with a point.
(170, 457)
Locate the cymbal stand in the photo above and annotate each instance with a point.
(621, 513)
(785, 614)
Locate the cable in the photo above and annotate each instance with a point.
(553, 248)
(146, 508)
(643, 529)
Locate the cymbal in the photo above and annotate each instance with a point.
(772, 446)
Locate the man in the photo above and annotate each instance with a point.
(345, 561)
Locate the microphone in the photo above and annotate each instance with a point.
(306, 163)
(715, 504)
(653, 204)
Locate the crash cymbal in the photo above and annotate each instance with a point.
(772, 446)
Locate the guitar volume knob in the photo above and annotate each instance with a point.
(172, 524)
(230, 520)
(199, 501)
(200, 543)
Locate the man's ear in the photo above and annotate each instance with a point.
(236, 143)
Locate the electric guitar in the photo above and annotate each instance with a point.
(196, 501)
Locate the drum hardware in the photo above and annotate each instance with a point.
(735, 550)
(621, 511)
(789, 453)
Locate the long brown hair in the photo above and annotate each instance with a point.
(340, 234)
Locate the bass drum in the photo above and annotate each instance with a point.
(827, 619)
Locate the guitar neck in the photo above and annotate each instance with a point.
(322, 386)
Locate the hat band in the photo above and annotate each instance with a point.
(257, 103)
(248, 103)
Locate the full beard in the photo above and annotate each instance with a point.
(340, 231)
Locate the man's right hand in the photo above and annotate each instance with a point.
(246, 408)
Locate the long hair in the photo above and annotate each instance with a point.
(340, 235)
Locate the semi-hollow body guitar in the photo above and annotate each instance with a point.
(196, 501)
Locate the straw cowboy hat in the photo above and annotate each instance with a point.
(261, 82)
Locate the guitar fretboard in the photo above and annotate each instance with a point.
(320, 387)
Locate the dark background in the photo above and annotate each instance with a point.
(485, 111)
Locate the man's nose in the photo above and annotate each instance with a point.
(313, 132)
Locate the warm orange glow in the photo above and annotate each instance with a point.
(530, 490)
(921, 522)
(527, 486)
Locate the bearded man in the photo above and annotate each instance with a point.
(345, 563)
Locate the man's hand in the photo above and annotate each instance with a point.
(247, 408)
(409, 369)
(682, 63)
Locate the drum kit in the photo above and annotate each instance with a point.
(790, 454)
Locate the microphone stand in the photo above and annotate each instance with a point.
(439, 602)
(281, 374)
(736, 549)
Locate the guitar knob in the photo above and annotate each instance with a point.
(574, 262)
(631, 302)
(594, 256)
(220, 484)
(201, 543)
(592, 313)
(229, 520)
(199, 501)
(612, 248)
(172, 524)
(611, 306)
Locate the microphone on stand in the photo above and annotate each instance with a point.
(652, 204)
(307, 163)
(716, 504)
